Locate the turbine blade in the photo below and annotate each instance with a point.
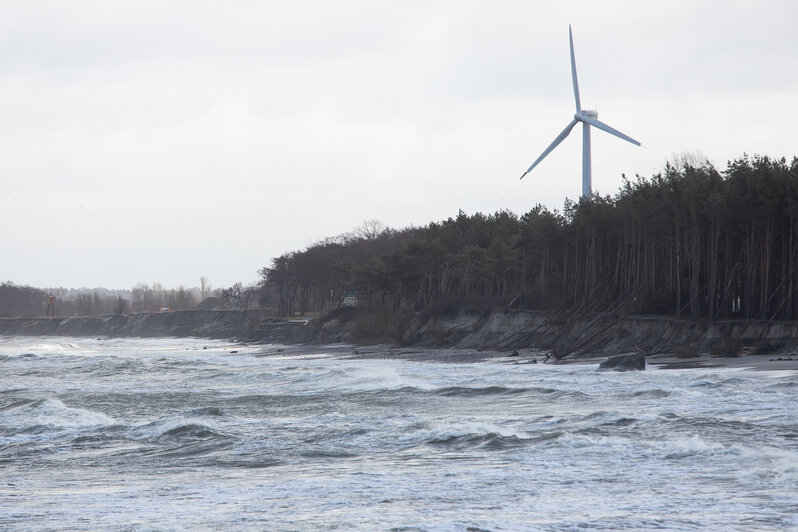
(608, 129)
(553, 145)
(573, 71)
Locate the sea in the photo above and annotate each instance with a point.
(195, 434)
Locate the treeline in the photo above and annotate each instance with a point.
(145, 297)
(21, 301)
(689, 241)
(27, 301)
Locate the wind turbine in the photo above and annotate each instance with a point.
(588, 118)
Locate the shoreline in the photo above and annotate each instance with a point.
(779, 365)
(462, 335)
(455, 355)
(664, 361)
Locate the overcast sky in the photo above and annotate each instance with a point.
(162, 141)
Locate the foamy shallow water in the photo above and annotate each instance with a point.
(182, 434)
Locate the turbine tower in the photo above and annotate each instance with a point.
(588, 118)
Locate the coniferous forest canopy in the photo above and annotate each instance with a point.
(690, 241)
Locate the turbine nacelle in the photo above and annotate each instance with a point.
(588, 117)
(586, 113)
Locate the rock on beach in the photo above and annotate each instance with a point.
(629, 362)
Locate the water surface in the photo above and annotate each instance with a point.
(185, 434)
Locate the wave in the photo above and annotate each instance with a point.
(651, 394)
(175, 431)
(20, 357)
(197, 424)
(500, 441)
(547, 437)
(214, 411)
(480, 391)
(710, 425)
(196, 431)
(677, 448)
(779, 464)
(689, 446)
(97, 438)
(462, 391)
(18, 403)
(42, 415)
(51, 348)
(325, 453)
(783, 385)
(474, 435)
(491, 440)
(620, 422)
(716, 381)
(108, 366)
(188, 449)
(245, 462)
(12, 390)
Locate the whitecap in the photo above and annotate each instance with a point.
(689, 446)
(52, 413)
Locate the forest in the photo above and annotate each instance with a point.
(690, 241)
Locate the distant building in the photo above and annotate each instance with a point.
(350, 299)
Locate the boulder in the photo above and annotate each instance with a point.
(629, 362)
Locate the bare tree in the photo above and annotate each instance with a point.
(119, 305)
(84, 304)
(180, 299)
(205, 287)
(689, 159)
(234, 296)
(369, 229)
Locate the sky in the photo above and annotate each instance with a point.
(161, 141)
